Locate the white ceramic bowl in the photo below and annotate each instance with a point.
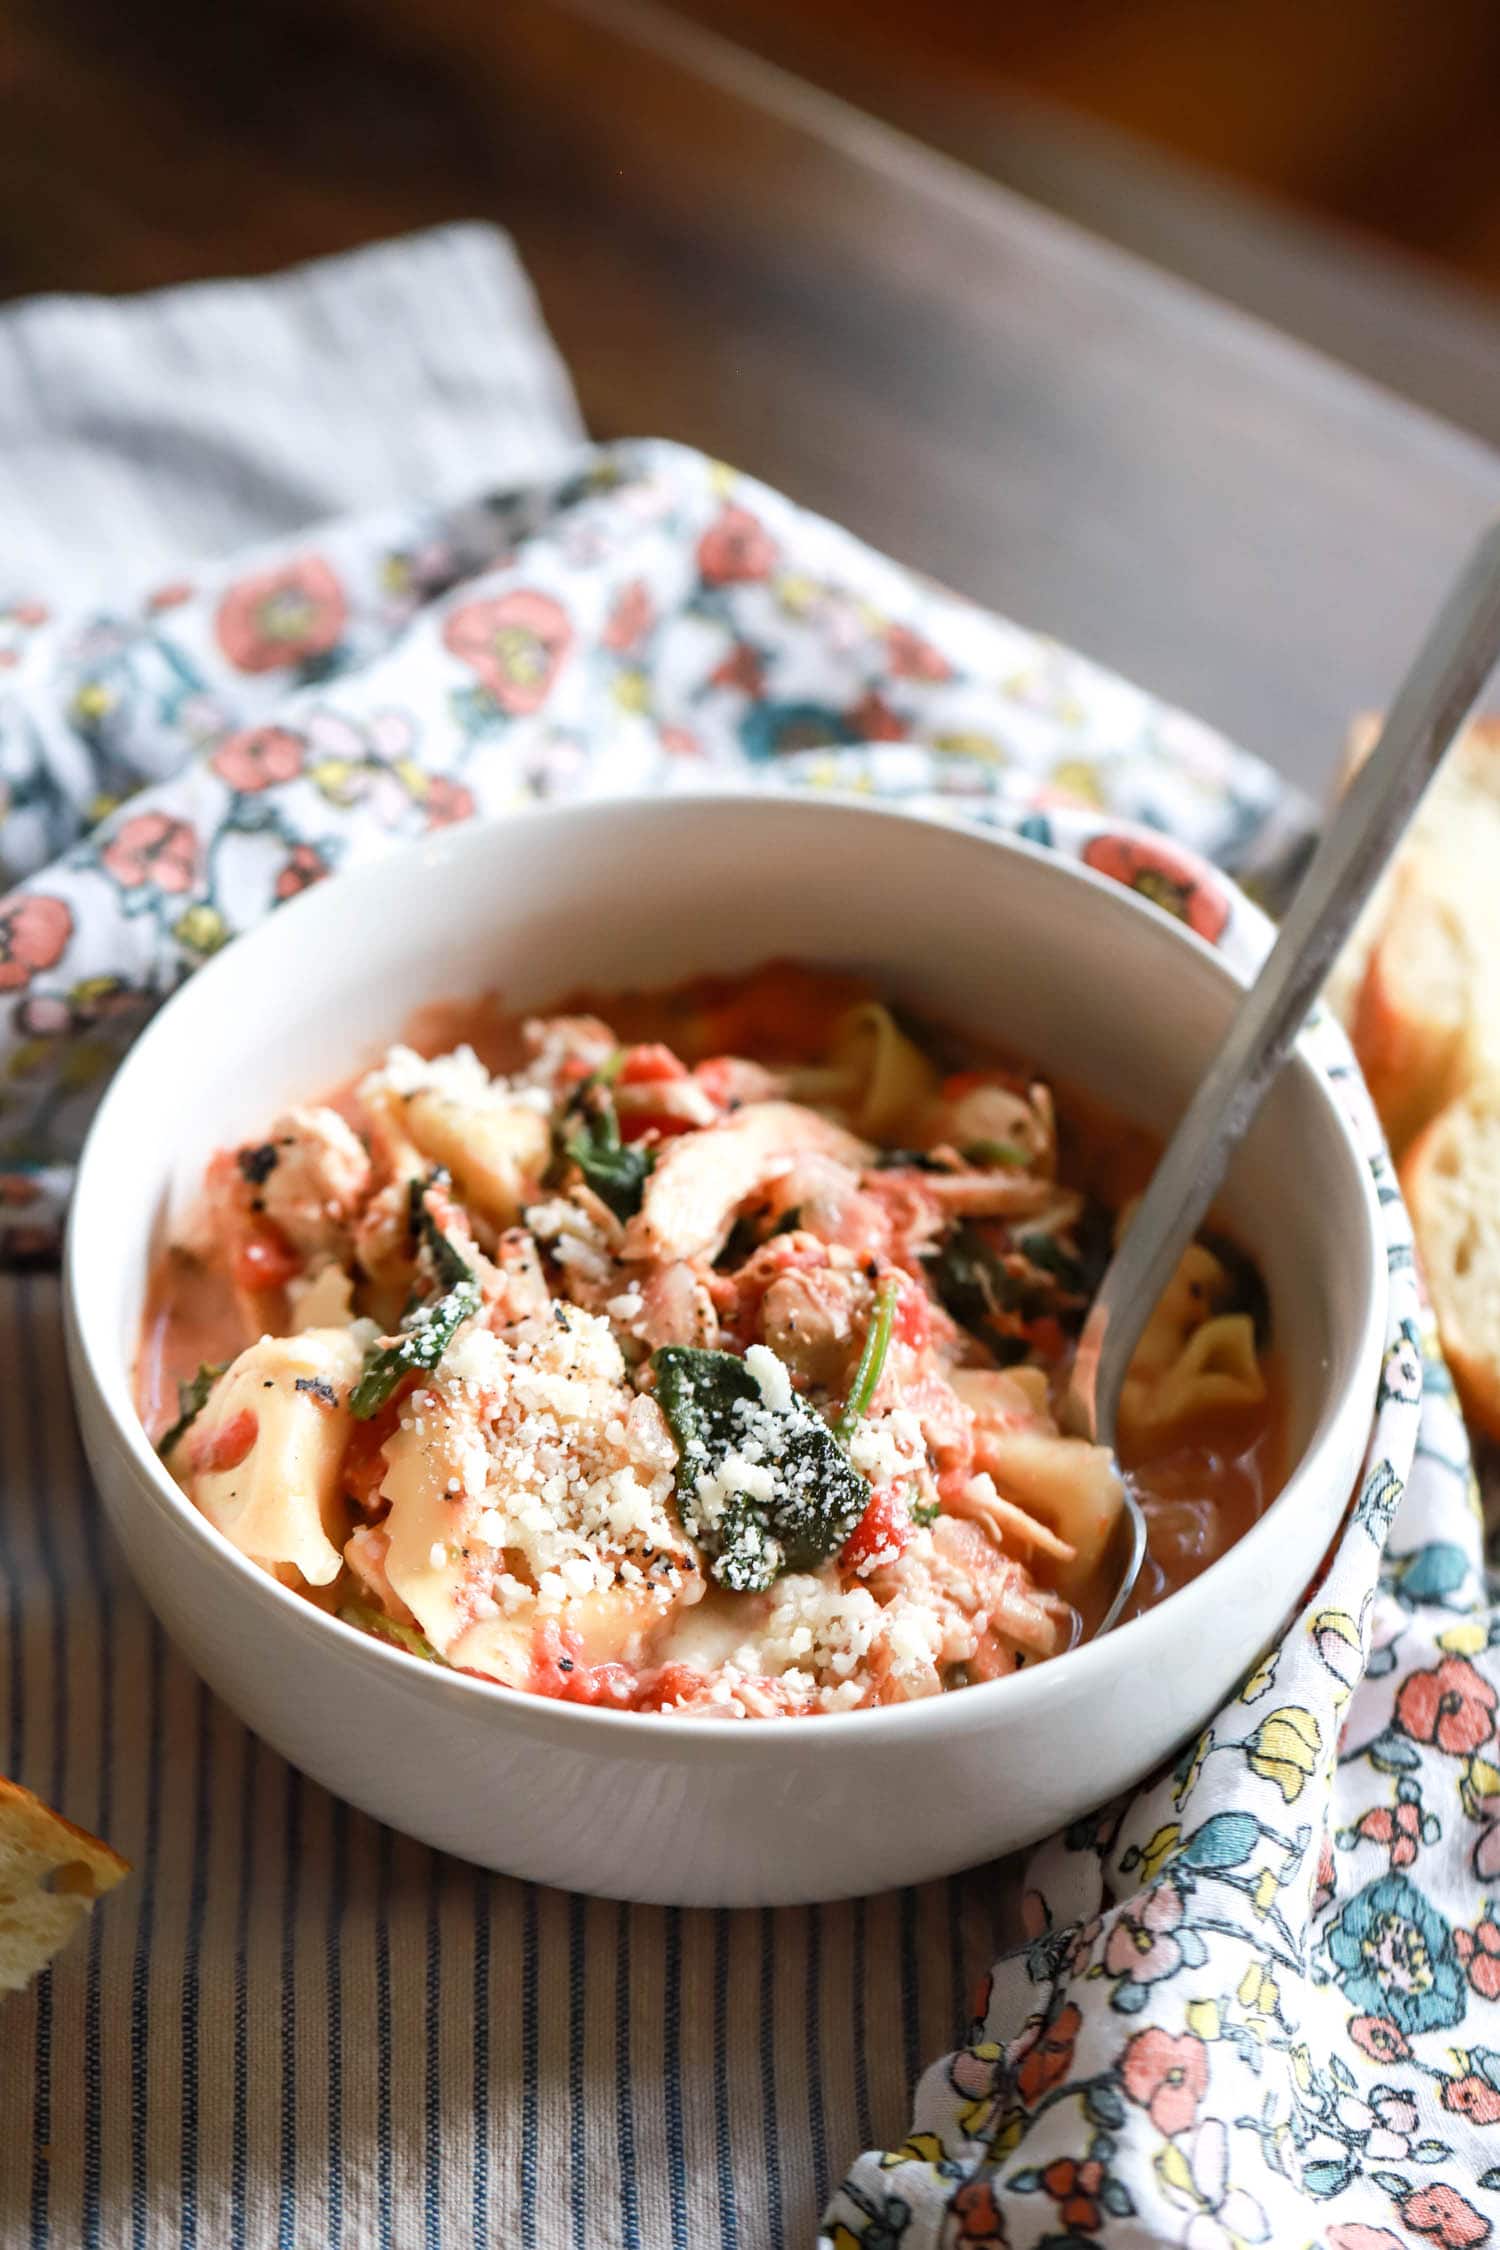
(1070, 968)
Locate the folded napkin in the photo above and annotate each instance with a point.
(1234, 2016)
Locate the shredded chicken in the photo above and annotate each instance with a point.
(703, 1179)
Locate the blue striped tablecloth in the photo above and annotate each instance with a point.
(294, 2027)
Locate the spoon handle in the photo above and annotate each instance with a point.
(1435, 698)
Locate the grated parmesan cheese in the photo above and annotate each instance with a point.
(565, 1477)
(772, 1379)
(458, 1077)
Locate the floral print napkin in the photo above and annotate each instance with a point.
(1260, 1999)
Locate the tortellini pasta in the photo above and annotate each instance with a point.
(893, 1076)
(1191, 1360)
(263, 1459)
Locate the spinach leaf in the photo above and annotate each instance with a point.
(192, 1397)
(428, 1327)
(1010, 1154)
(374, 1621)
(972, 1281)
(714, 1407)
(1053, 1257)
(994, 1280)
(616, 1172)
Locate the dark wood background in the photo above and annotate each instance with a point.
(728, 257)
(1373, 116)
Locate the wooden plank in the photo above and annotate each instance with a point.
(730, 257)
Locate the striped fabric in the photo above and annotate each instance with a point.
(293, 2027)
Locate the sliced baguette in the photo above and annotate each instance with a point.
(1451, 1175)
(50, 1875)
(1418, 986)
(1411, 1024)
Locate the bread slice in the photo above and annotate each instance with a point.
(1451, 1176)
(1411, 1026)
(1418, 986)
(50, 1875)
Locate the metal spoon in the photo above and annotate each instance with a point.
(1436, 696)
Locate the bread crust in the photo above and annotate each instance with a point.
(1418, 989)
(51, 1871)
(1444, 1178)
(1411, 1015)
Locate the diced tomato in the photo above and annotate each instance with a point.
(264, 1259)
(674, 1683)
(652, 1065)
(911, 1323)
(717, 1078)
(636, 1124)
(883, 1529)
(364, 1461)
(550, 1650)
(608, 1686)
(557, 1672)
(213, 1451)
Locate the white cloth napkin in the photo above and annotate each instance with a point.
(139, 435)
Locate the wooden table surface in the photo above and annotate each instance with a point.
(729, 257)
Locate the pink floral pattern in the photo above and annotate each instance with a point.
(152, 849)
(279, 618)
(258, 757)
(736, 547)
(34, 929)
(303, 867)
(516, 645)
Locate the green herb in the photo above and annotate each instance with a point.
(926, 1512)
(368, 1619)
(447, 1263)
(257, 1164)
(1010, 1154)
(192, 1397)
(995, 1281)
(1050, 1256)
(972, 1281)
(714, 1407)
(429, 1326)
(871, 1360)
(617, 1173)
(908, 1160)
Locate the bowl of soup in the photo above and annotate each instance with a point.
(577, 1367)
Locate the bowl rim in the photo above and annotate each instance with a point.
(1029, 1692)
